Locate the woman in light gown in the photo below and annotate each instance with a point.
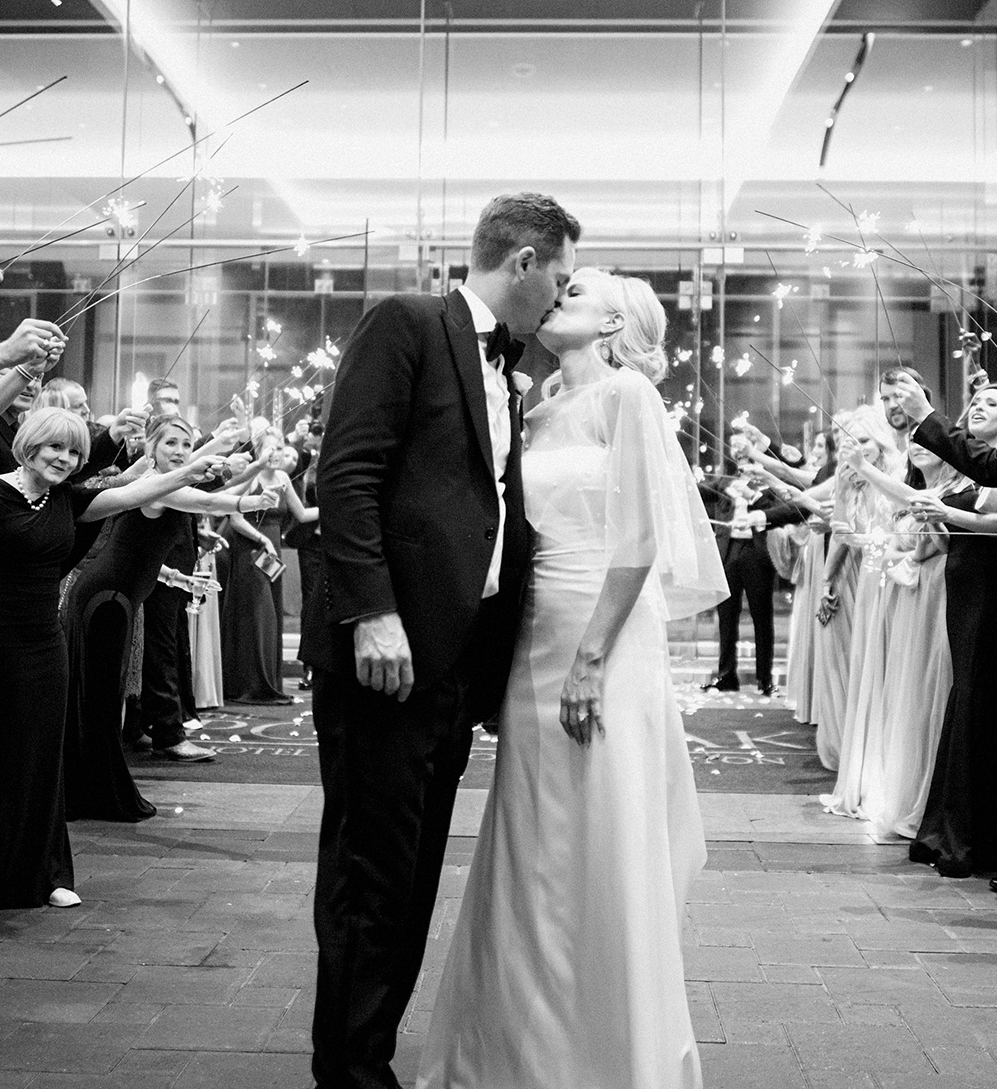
(806, 597)
(863, 521)
(918, 659)
(858, 510)
(566, 967)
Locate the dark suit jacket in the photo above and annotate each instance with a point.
(406, 489)
(953, 444)
(722, 507)
(7, 433)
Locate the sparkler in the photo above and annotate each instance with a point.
(34, 94)
(803, 333)
(155, 166)
(868, 223)
(211, 264)
(124, 267)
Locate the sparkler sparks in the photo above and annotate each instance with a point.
(864, 258)
(782, 292)
(868, 222)
(742, 365)
(122, 212)
(812, 238)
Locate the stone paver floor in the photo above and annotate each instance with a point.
(816, 958)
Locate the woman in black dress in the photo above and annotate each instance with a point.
(100, 610)
(38, 514)
(958, 833)
(253, 609)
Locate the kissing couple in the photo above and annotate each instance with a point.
(475, 566)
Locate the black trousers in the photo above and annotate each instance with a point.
(167, 671)
(749, 572)
(389, 772)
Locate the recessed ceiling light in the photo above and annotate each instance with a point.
(57, 3)
(235, 45)
(966, 43)
(160, 79)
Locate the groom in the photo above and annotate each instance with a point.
(425, 547)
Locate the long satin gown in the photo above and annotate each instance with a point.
(252, 621)
(565, 970)
(919, 672)
(958, 832)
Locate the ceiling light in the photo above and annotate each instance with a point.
(160, 80)
(57, 3)
(966, 43)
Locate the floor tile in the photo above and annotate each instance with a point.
(66, 1048)
(210, 1028)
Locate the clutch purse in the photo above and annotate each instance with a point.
(268, 564)
(828, 607)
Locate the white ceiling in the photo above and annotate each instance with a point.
(634, 131)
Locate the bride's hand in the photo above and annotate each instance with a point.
(581, 701)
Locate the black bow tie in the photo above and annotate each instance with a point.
(498, 342)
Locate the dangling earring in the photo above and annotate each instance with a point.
(606, 349)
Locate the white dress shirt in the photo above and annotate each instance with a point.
(499, 427)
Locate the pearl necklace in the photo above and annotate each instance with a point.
(34, 504)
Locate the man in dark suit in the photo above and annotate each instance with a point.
(425, 545)
(741, 539)
(952, 443)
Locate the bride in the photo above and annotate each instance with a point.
(566, 965)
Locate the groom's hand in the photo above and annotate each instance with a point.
(384, 661)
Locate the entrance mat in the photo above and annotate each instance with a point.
(755, 749)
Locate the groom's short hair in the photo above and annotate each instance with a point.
(514, 220)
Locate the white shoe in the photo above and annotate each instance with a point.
(64, 898)
(187, 751)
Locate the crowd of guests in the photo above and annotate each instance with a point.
(121, 589)
(892, 545)
(141, 578)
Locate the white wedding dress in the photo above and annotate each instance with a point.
(565, 970)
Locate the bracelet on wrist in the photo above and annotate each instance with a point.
(23, 371)
(238, 504)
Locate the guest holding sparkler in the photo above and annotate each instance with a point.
(818, 502)
(39, 509)
(749, 572)
(253, 609)
(851, 606)
(958, 833)
(99, 610)
(918, 661)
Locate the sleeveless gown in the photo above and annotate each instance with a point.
(958, 831)
(35, 855)
(565, 970)
(252, 621)
(118, 575)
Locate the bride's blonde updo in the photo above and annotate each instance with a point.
(639, 343)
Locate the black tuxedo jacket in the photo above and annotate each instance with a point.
(406, 489)
(954, 444)
(722, 506)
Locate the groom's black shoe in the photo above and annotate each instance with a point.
(993, 884)
(726, 683)
(767, 689)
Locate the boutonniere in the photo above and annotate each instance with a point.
(521, 383)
